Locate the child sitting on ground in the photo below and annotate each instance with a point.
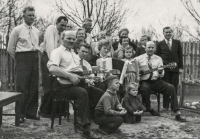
(132, 104)
(109, 112)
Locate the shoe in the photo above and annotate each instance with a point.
(91, 135)
(154, 113)
(101, 131)
(34, 117)
(21, 120)
(164, 109)
(180, 119)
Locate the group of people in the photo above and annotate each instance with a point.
(67, 53)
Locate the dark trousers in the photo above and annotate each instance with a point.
(172, 78)
(26, 79)
(79, 94)
(94, 95)
(158, 86)
(47, 82)
(109, 123)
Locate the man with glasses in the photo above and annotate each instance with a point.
(63, 61)
(155, 83)
(23, 47)
(170, 50)
(52, 40)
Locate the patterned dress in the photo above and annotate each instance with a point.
(132, 72)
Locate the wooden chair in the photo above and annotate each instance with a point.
(57, 101)
(158, 99)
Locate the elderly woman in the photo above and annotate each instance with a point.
(123, 33)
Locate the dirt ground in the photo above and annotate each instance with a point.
(150, 127)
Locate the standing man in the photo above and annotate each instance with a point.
(52, 40)
(62, 62)
(155, 83)
(170, 50)
(87, 25)
(23, 46)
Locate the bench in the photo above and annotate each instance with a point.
(8, 98)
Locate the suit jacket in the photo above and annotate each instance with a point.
(93, 59)
(139, 51)
(173, 55)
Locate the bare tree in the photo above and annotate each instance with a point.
(193, 7)
(106, 14)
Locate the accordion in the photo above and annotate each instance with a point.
(110, 64)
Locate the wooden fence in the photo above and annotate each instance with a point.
(191, 61)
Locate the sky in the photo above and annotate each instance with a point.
(155, 13)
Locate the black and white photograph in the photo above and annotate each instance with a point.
(99, 69)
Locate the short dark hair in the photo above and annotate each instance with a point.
(84, 44)
(28, 8)
(60, 18)
(166, 28)
(121, 38)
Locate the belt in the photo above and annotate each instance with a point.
(35, 51)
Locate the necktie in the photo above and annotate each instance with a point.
(150, 67)
(149, 63)
(81, 63)
(168, 44)
(33, 41)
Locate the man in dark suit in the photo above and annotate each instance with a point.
(170, 50)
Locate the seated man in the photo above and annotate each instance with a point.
(61, 63)
(94, 93)
(108, 112)
(154, 82)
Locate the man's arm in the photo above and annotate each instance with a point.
(160, 64)
(12, 43)
(107, 107)
(50, 40)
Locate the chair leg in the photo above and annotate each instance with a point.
(67, 110)
(53, 113)
(158, 99)
(60, 112)
(75, 119)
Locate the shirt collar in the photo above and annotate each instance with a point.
(66, 49)
(143, 46)
(27, 26)
(111, 92)
(170, 40)
(147, 55)
(104, 56)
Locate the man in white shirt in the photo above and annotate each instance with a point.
(23, 46)
(63, 61)
(155, 83)
(52, 40)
